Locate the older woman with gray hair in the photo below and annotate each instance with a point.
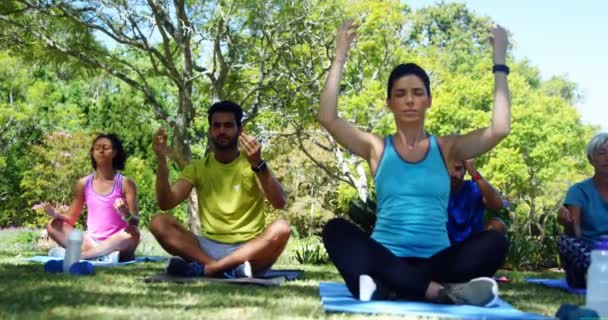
(585, 214)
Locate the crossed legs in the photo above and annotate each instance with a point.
(125, 241)
(261, 251)
(354, 253)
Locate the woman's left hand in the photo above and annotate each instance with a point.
(121, 207)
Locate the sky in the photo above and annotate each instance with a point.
(560, 37)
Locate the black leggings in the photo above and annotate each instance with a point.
(575, 255)
(355, 253)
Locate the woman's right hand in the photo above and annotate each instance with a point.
(50, 210)
(564, 217)
(344, 38)
(499, 40)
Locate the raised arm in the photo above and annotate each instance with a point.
(357, 141)
(75, 209)
(490, 196)
(168, 196)
(482, 140)
(270, 185)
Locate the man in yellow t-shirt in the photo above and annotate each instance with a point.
(231, 185)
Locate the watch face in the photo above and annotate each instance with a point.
(261, 167)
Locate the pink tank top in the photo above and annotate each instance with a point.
(103, 220)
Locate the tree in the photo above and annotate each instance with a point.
(215, 47)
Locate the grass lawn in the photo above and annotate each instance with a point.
(120, 293)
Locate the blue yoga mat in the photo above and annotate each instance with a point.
(44, 259)
(337, 298)
(557, 283)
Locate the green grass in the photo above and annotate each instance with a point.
(120, 293)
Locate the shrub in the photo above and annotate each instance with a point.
(311, 251)
(60, 161)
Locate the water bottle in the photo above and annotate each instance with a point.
(597, 278)
(72, 249)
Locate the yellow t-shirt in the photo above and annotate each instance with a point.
(230, 203)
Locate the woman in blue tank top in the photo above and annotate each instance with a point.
(408, 253)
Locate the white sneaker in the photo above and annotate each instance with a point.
(247, 271)
(241, 271)
(367, 287)
(481, 292)
(57, 252)
(112, 257)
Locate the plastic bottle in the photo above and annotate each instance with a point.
(597, 278)
(72, 249)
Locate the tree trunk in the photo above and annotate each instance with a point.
(183, 153)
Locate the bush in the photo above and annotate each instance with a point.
(143, 176)
(311, 251)
(60, 161)
(532, 241)
(305, 215)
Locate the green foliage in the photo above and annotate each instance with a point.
(561, 87)
(140, 172)
(60, 162)
(310, 190)
(346, 195)
(311, 251)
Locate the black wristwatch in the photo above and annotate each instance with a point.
(500, 68)
(261, 167)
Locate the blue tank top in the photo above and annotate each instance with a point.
(412, 202)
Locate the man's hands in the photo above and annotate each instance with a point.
(344, 38)
(251, 147)
(498, 38)
(159, 144)
(469, 166)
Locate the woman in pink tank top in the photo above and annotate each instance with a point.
(111, 201)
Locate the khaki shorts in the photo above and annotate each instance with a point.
(217, 250)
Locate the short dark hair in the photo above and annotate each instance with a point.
(406, 69)
(226, 106)
(119, 161)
